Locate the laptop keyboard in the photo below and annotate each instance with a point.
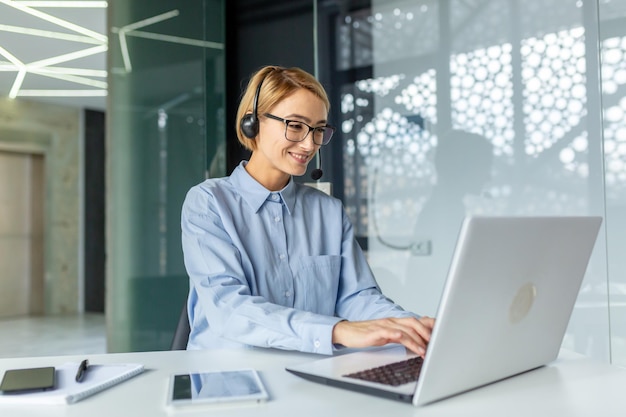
(394, 374)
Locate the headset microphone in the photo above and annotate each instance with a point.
(317, 173)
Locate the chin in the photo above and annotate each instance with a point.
(298, 171)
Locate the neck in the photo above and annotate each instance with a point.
(272, 179)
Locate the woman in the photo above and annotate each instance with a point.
(274, 263)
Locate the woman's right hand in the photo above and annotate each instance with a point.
(413, 333)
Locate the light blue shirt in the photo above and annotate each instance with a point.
(273, 269)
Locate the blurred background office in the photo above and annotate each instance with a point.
(110, 111)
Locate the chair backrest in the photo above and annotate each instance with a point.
(181, 335)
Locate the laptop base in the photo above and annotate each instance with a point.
(354, 387)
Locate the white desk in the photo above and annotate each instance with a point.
(569, 387)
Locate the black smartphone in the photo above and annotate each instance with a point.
(28, 379)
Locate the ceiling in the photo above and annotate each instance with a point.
(54, 51)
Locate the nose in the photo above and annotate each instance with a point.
(308, 144)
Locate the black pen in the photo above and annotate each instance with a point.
(82, 370)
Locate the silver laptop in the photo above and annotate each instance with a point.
(504, 310)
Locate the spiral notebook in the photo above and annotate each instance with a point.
(68, 391)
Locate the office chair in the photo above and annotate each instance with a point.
(181, 335)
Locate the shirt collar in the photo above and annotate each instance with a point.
(255, 194)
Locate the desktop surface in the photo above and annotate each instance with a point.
(571, 386)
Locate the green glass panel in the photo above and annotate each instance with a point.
(165, 129)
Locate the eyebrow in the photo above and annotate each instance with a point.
(305, 119)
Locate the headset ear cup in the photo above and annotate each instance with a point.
(250, 122)
(249, 126)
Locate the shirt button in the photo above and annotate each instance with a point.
(287, 294)
(275, 197)
(316, 344)
(277, 219)
(281, 256)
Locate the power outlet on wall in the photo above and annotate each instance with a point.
(326, 187)
(422, 248)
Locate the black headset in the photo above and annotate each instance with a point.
(249, 123)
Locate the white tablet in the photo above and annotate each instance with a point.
(215, 387)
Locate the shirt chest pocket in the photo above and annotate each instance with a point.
(317, 283)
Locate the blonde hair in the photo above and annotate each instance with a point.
(277, 83)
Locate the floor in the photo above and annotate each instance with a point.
(52, 335)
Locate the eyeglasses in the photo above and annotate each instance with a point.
(296, 131)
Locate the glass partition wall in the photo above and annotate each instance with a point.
(448, 108)
(165, 127)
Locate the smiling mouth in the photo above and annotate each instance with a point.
(303, 159)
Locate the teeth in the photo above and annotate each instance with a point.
(300, 157)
